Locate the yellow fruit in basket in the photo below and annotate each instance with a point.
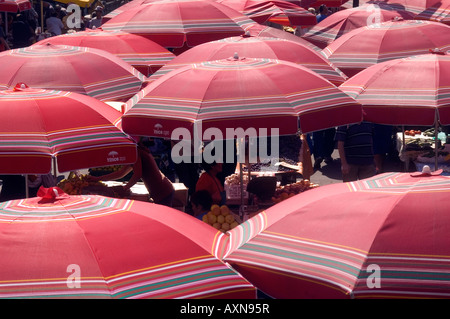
(215, 209)
(233, 224)
(216, 226)
(229, 219)
(225, 226)
(224, 210)
(221, 219)
(211, 218)
(205, 218)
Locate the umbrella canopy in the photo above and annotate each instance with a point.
(259, 30)
(90, 246)
(408, 91)
(366, 46)
(384, 237)
(328, 3)
(14, 5)
(125, 7)
(239, 92)
(143, 54)
(341, 22)
(257, 47)
(439, 12)
(276, 11)
(413, 6)
(78, 130)
(93, 72)
(178, 23)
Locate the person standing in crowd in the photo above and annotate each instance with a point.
(210, 182)
(382, 142)
(3, 39)
(54, 24)
(355, 146)
(96, 22)
(22, 33)
(13, 187)
(323, 146)
(323, 13)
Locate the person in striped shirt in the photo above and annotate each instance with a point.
(355, 147)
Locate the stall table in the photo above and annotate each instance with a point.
(420, 150)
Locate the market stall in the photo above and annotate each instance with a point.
(418, 147)
(79, 184)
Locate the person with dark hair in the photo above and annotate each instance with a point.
(96, 22)
(21, 32)
(201, 202)
(13, 187)
(210, 182)
(323, 13)
(3, 43)
(54, 24)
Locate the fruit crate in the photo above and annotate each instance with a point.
(233, 191)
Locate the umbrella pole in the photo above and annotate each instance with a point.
(42, 16)
(403, 148)
(27, 192)
(436, 133)
(241, 180)
(55, 174)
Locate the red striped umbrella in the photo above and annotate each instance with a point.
(77, 130)
(367, 46)
(384, 237)
(259, 30)
(276, 11)
(82, 70)
(90, 246)
(239, 92)
(439, 12)
(341, 22)
(408, 91)
(257, 47)
(14, 5)
(125, 7)
(328, 3)
(178, 23)
(413, 6)
(141, 53)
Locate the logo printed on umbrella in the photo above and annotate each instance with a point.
(113, 157)
(158, 129)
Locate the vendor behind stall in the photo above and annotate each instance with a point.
(159, 186)
(210, 182)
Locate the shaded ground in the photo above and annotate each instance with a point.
(331, 173)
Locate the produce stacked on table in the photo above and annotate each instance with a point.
(233, 185)
(287, 191)
(74, 184)
(107, 169)
(413, 132)
(220, 218)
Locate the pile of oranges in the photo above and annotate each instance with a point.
(220, 218)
